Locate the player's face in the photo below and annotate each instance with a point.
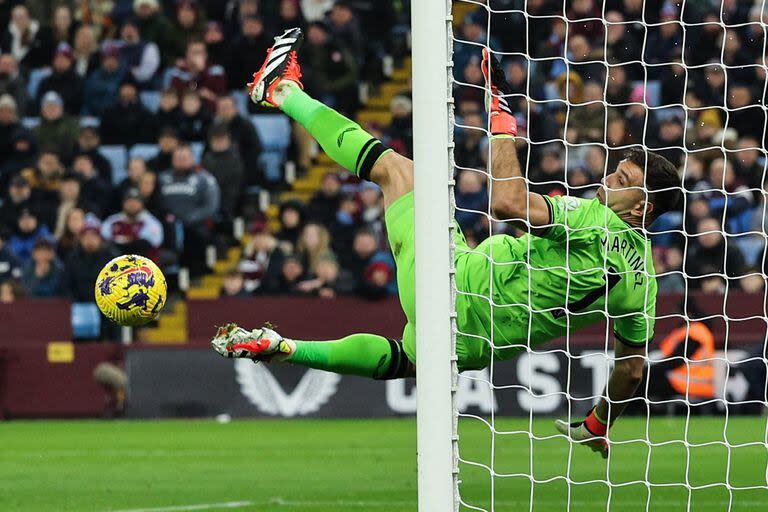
(622, 190)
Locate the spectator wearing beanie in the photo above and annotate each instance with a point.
(223, 161)
(141, 57)
(134, 230)
(64, 81)
(101, 88)
(57, 131)
(43, 275)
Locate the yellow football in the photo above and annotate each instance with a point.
(131, 290)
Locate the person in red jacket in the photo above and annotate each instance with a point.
(195, 73)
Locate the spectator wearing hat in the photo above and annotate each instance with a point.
(194, 72)
(142, 57)
(332, 70)
(9, 265)
(12, 82)
(244, 138)
(88, 143)
(57, 130)
(127, 121)
(85, 262)
(28, 231)
(153, 26)
(27, 40)
(191, 196)
(85, 51)
(102, 86)
(194, 119)
(262, 260)
(223, 161)
(64, 80)
(134, 230)
(233, 285)
(95, 191)
(43, 275)
(187, 26)
(252, 40)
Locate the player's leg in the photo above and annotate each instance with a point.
(278, 84)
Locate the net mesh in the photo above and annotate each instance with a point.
(591, 80)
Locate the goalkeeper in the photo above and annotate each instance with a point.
(579, 260)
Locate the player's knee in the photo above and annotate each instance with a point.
(399, 365)
(632, 369)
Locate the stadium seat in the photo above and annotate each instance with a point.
(90, 122)
(241, 100)
(197, 149)
(35, 77)
(118, 158)
(274, 131)
(151, 100)
(144, 151)
(86, 320)
(30, 122)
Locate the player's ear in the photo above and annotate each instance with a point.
(642, 207)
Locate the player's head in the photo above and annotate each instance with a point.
(643, 186)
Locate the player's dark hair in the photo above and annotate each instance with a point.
(661, 180)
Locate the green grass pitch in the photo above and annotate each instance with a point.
(367, 465)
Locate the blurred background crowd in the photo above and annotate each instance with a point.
(125, 127)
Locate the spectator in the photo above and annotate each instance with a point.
(219, 49)
(154, 27)
(63, 26)
(332, 70)
(585, 20)
(233, 284)
(400, 130)
(9, 265)
(262, 260)
(314, 243)
(12, 82)
(194, 119)
(291, 224)
(191, 195)
(195, 73)
(9, 291)
(289, 16)
(168, 140)
(470, 141)
(168, 113)
(325, 203)
(27, 40)
(371, 206)
(84, 264)
(345, 28)
(586, 121)
(291, 274)
(88, 144)
(664, 43)
(471, 194)
(252, 41)
(22, 156)
(328, 279)
(102, 86)
(28, 231)
(19, 198)
(244, 138)
(223, 161)
(64, 81)
(128, 121)
(186, 27)
(548, 179)
(372, 268)
(134, 230)
(69, 199)
(45, 180)
(73, 225)
(750, 164)
(153, 200)
(669, 270)
(9, 125)
(85, 51)
(745, 116)
(43, 275)
(57, 131)
(709, 253)
(142, 57)
(137, 167)
(95, 191)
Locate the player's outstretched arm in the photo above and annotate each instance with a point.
(510, 197)
(625, 378)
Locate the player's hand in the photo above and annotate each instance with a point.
(502, 120)
(579, 433)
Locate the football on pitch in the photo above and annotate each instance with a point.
(131, 290)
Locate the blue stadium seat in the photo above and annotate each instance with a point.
(274, 131)
(30, 122)
(241, 100)
(86, 320)
(197, 150)
(151, 100)
(118, 157)
(144, 151)
(35, 77)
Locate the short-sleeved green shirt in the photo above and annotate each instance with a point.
(517, 288)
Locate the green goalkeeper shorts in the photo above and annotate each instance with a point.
(472, 352)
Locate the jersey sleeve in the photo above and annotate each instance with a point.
(636, 329)
(573, 219)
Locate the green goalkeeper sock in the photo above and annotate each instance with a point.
(368, 355)
(342, 139)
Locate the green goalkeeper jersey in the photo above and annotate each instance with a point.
(585, 266)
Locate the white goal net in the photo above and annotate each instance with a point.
(590, 80)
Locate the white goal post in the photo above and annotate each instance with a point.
(433, 193)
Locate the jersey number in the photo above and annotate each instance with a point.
(580, 305)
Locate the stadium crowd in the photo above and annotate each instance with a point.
(79, 77)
